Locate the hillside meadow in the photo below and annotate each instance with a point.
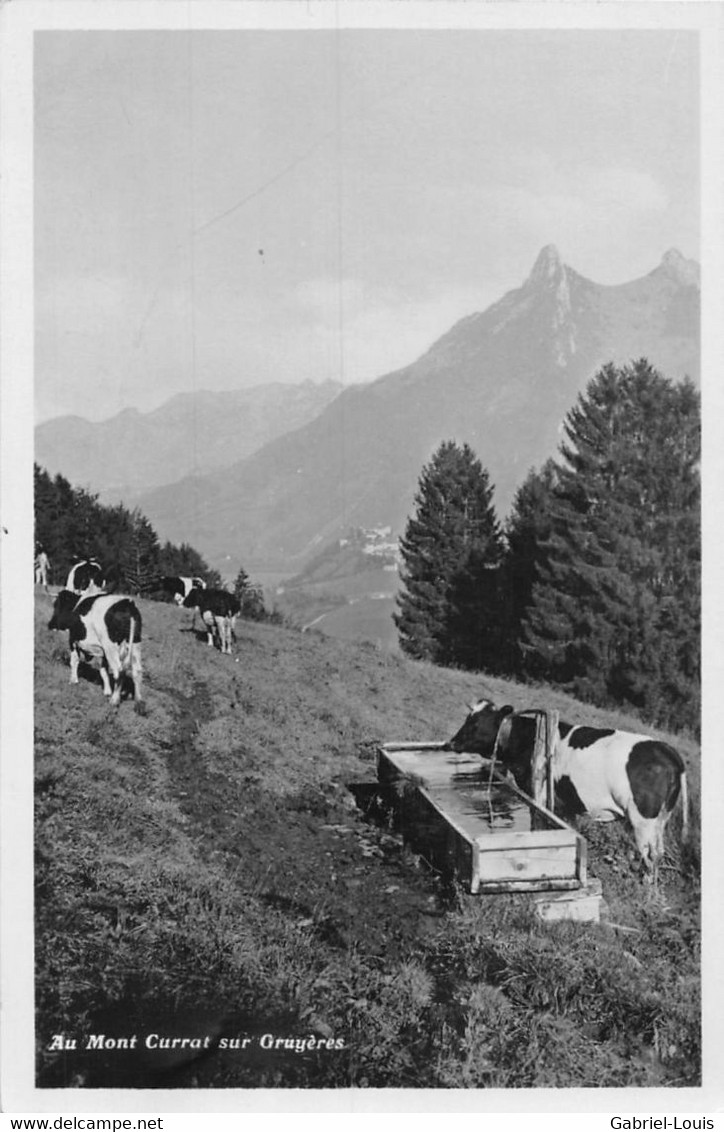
(205, 874)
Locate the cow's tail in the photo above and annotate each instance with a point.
(684, 808)
(126, 649)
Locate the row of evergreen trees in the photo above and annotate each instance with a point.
(71, 524)
(594, 582)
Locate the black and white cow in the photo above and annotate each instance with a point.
(85, 575)
(102, 627)
(180, 588)
(219, 611)
(596, 770)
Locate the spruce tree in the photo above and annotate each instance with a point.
(615, 611)
(141, 559)
(251, 597)
(527, 529)
(451, 547)
(182, 560)
(67, 522)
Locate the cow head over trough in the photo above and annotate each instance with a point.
(479, 731)
(487, 724)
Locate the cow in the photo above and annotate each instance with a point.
(84, 576)
(104, 627)
(180, 588)
(600, 771)
(219, 611)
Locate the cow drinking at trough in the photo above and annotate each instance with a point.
(104, 627)
(218, 610)
(85, 575)
(596, 770)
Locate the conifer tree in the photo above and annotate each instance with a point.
(451, 547)
(182, 560)
(66, 522)
(251, 597)
(140, 562)
(615, 612)
(527, 529)
(114, 533)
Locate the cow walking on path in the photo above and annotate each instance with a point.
(596, 770)
(102, 627)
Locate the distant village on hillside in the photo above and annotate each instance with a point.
(377, 542)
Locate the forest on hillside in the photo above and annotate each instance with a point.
(71, 525)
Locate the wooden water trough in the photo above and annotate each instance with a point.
(473, 823)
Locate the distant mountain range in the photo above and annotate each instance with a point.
(267, 476)
(502, 380)
(191, 434)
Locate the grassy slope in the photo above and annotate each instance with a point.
(203, 869)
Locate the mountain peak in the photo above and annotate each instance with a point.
(548, 267)
(549, 280)
(685, 271)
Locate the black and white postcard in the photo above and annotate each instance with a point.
(361, 636)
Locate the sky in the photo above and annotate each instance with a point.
(222, 209)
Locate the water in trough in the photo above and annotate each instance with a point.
(497, 811)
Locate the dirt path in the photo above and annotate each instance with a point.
(314, 856)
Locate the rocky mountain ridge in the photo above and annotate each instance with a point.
(502, 380)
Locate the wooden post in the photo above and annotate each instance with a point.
(538, 766)
(538, 760)
(551, 737)
(546, 731)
